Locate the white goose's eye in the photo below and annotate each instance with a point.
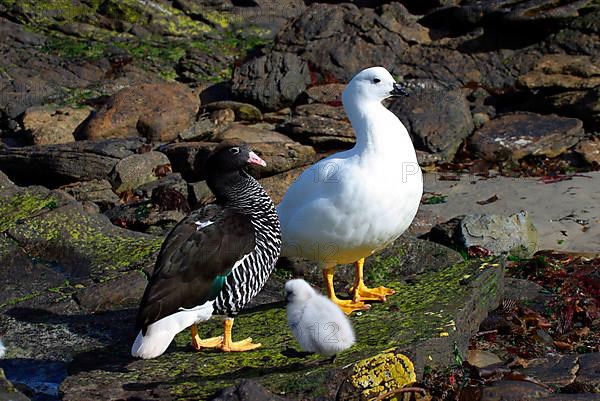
(235, 150)
(376, 80)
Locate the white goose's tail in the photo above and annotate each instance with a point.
(161, 333)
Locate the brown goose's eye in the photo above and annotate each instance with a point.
(234, 151)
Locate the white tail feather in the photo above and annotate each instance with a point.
(161, 333)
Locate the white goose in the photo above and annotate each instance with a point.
(353, 203)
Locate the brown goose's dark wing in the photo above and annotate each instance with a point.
(200, 249)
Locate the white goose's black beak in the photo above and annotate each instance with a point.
(399, 90)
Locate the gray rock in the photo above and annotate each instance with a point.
(522, 290)
(514, 136)
(556, 371)
(272, 81)
(53, 165)
(512, 390)
(200, 130)
(136, 170)
(124, 291)
(172, 181)
(514, 234)
(200, 194)
(438, 121)
(98, 191)
(588, 375)
(247, 390)
(187, 158)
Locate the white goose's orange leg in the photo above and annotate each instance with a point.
(347, 306)
(360, 292)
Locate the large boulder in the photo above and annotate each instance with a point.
(158, 112)
(49, 125)
(514, 136)
(438, 121)
(272, 81)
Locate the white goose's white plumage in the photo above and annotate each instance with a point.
(348, 205)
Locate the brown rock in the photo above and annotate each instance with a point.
(251, 134)
(136, 170)
(277, 185)
(514, 136)
(243, 111)
(156, 111)
(187, 158)
(590, 150)
(281, 156)
(330, 94)
(563, 71)
(47, 125)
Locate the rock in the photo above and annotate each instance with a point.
(187, 158)
(438, 121)
(54, 165)
(427, 159)
(146, 216)
(277, 185)
(243, 111)
(554, 371)
(8, 392)
(247, 390)
(590, 150)
(515, 235)
(169, 182)
(482, 358)
(564, 71)
(584, 105)
(272, 81)
(522, 290)
(158, 112)
(330, 94)
(368, 36)
(514, 136)
(571, 397)
(512, 390)
(200, 194)
(136, 170)
(588, 375)
(463, 303)
(200, 130)
(320, 125)
(251, 135)
(281, 157)
(98, 191)
(124, 291)
(48, 125)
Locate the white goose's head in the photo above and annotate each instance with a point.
(372, 84)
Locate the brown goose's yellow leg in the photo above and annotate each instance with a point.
(235, 346)
(348, 306)
(198, 343)
(360, 292)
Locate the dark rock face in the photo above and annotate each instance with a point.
(272, 81)
(247, 390)
(518, 135)
(438, 120)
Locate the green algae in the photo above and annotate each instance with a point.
(424, 309)
(22, 206)
(66, 232)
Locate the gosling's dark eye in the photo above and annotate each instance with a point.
(376, 80)
(235, 150)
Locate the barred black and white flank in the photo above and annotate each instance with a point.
(216, 259)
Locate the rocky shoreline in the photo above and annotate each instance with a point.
(108, 109)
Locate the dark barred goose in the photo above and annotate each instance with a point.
(214, 261)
